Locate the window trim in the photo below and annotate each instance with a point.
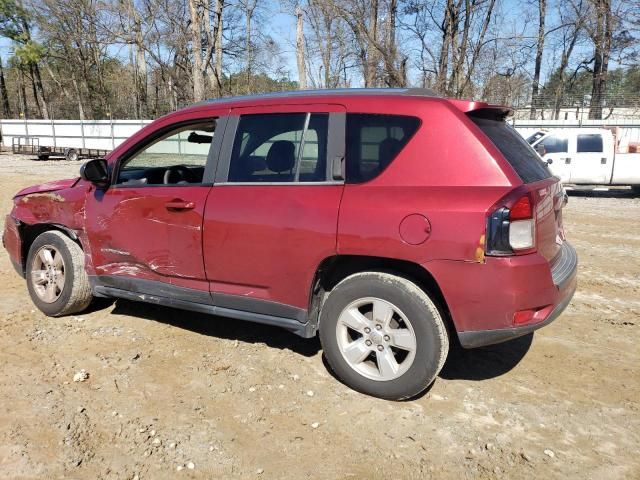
(335, 147)
(212, 155)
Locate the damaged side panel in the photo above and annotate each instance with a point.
(36, 206)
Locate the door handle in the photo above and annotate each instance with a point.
(603, 160)
(179, 205)
(567, 161)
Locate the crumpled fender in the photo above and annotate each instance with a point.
(48, 187)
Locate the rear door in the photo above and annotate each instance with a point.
(546, 190)
(272, 214)
(590, 164)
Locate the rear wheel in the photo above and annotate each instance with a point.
(382, 335)
(72, 155)
(56, 279)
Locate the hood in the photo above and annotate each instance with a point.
(48, 187)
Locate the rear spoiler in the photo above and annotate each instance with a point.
(482, 109)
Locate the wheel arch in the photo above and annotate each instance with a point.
(334, 269)
(29, 232)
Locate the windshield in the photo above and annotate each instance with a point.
(535, 137)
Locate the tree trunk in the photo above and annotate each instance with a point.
(443, 62)
(564, 62)
(217, 87)
(372, 63)
(535, 88)
(22, 93)
(602, 49)
(196, 42)
(6, 107)
(302, 70)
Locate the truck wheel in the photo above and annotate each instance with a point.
(72, 155)
(635, 189)
(56, 279)
(382, 335)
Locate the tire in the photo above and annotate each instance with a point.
(72, 155)
(57, 282)
(635, 189)
(415, 337)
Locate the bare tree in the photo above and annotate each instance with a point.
(302, 70)
(535, 87)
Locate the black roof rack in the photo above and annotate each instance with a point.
(416, 92)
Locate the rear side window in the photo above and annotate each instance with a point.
(373, 142)
(280, 147)
(524, 160)
(590, 143)
(555, 145)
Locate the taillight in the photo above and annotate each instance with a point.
(511, 230)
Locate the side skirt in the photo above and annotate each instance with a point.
(305, 330)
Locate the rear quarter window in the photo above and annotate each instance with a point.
(524, 160)
(373, 141)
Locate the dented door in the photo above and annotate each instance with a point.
(152, 233)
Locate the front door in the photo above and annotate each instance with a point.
(272, 214)
(556, 155)
(145, 230)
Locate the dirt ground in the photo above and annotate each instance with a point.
(173, 394)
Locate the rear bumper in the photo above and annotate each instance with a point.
(481, 338)
(484, 298)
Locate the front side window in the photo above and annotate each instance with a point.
(177, 157)
(373, 141)
(555, 145)
(590, 143)
(280, 147)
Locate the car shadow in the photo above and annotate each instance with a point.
(485, 362)
(219, 327)
(461, 364)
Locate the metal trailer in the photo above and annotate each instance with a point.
(31, 146)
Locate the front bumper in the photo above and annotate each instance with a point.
(12, 242)
(564, 270)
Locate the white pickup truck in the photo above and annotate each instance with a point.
(587, 156)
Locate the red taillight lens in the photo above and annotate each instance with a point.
(522, 209)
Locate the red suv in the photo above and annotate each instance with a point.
(385, 220)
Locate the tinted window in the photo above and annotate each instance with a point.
(533, 138)
(514, 148)
(555, 145)
(373, 141)
(280, 147)
(178, 156)
(589, 143)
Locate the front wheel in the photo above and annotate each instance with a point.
(382, 335)
(56, 279)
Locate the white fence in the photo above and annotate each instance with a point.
(108, 134)
(97, 134)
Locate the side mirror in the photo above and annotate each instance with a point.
(540, 149)
(550, 161)
(96, 171)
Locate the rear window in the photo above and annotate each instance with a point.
(373, 141)
(524, 160)
(590, 143)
